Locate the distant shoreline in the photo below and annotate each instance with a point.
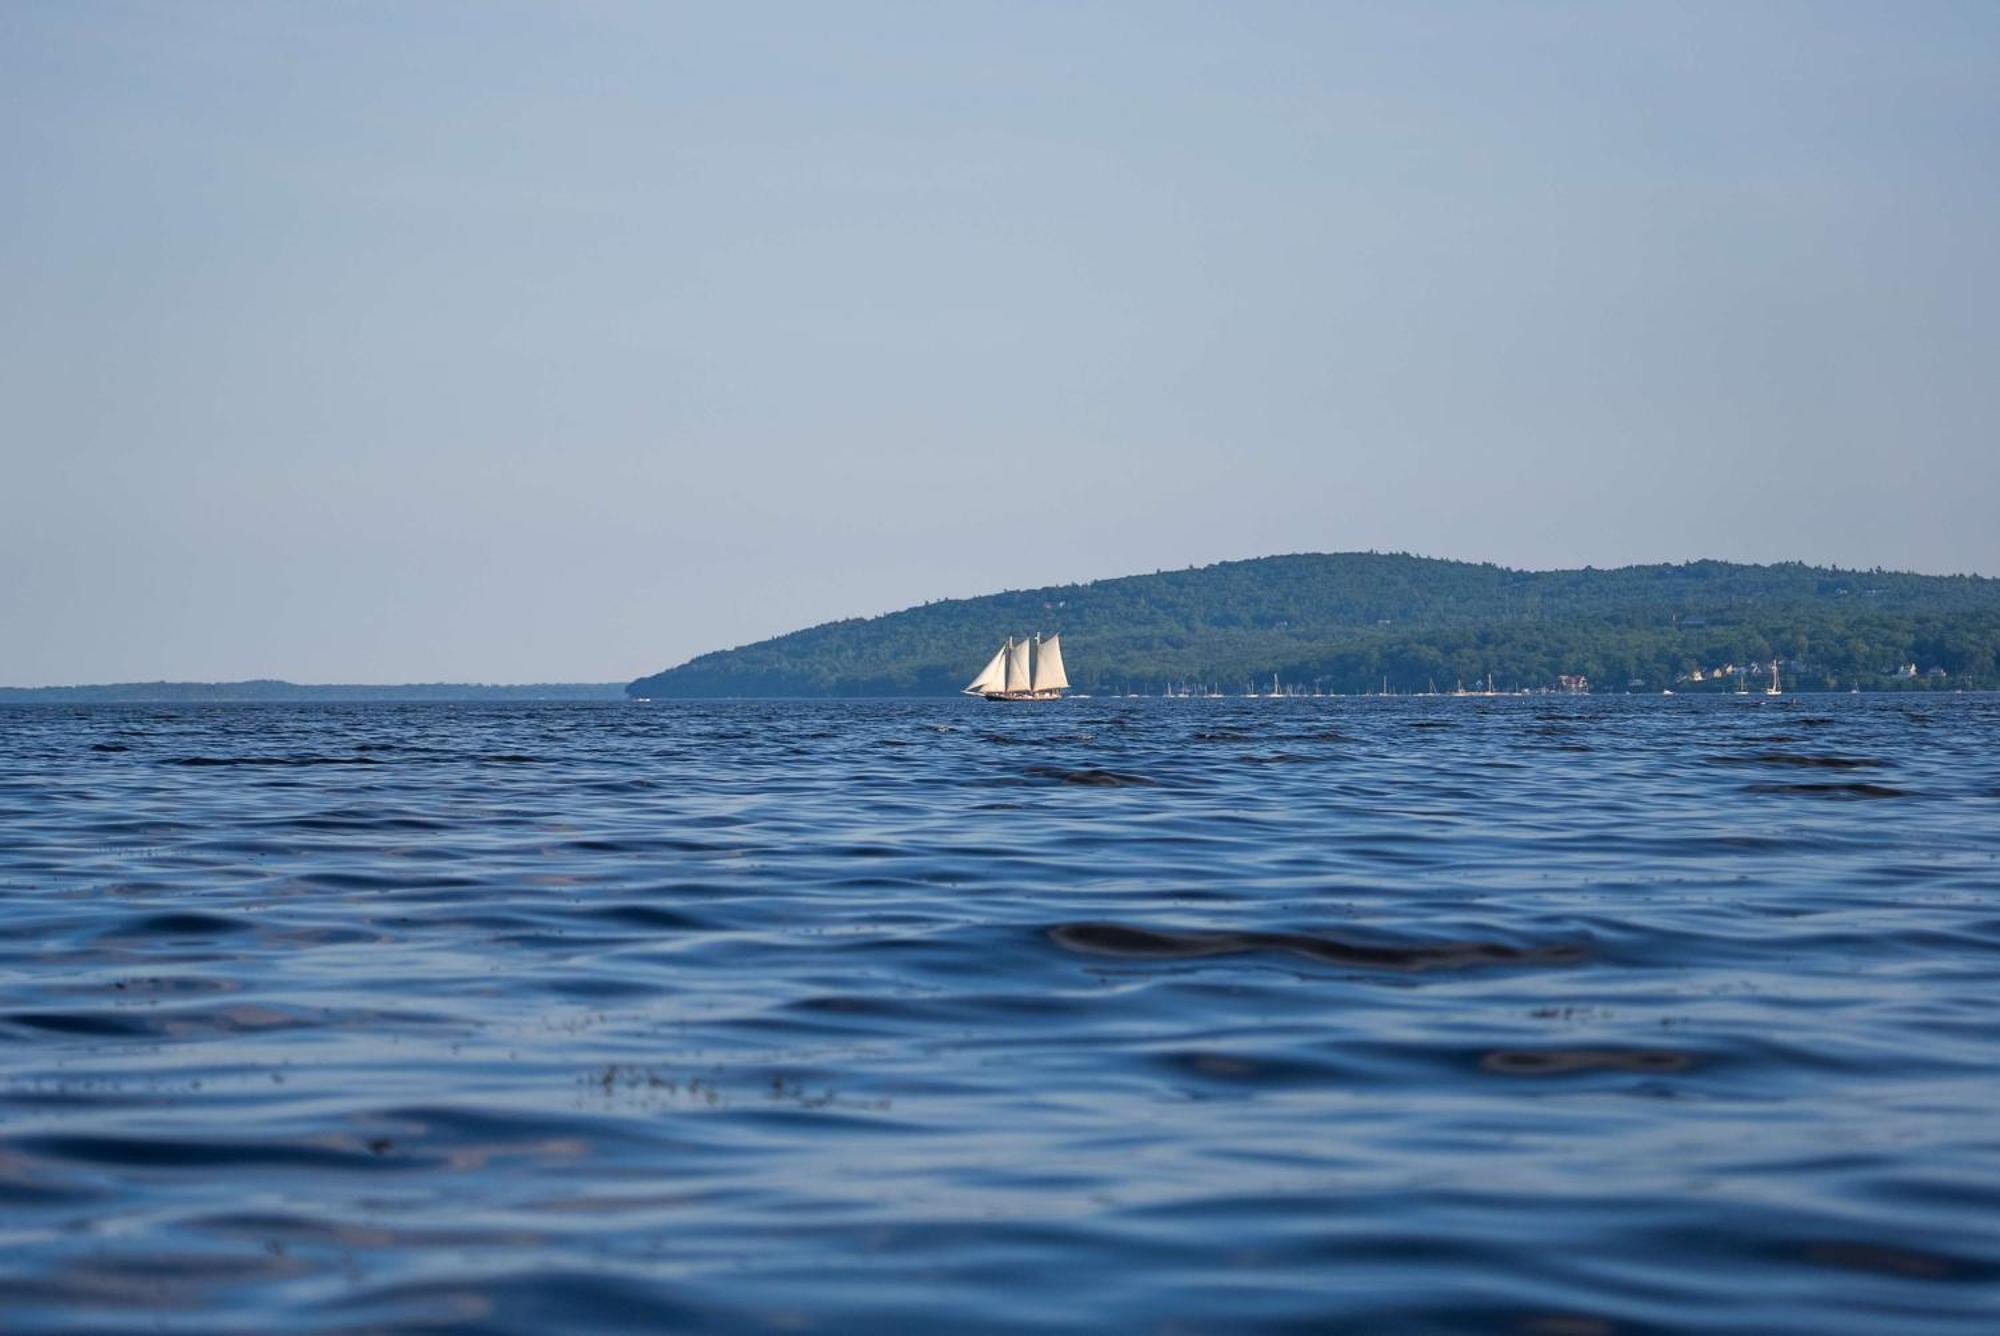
(594, 693)
(281, 692)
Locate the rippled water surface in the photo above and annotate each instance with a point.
(1551, 1015)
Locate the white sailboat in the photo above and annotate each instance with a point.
(1014, 673)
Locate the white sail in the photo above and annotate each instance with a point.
(993, 677)
(1017, 666)
(1049, 665)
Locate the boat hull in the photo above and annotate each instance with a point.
(1011, 696)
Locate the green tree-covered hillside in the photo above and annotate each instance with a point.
(1347, 621)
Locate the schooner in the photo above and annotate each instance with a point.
(1008, 675)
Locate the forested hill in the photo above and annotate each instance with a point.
(1346, 621)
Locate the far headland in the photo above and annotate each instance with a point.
(273, 691)
(1364, 622)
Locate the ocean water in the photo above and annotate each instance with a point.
(1556, 1015)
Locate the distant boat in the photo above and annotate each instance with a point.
(1488, 691)
(1774, 689)
(1010, 674)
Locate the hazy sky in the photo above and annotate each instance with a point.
(389, 342)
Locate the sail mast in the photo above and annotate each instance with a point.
(1049, 674)
(993, 677)
(1018, 676)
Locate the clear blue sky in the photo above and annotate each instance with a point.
(385, 342)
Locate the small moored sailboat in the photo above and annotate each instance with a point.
(1011, 674)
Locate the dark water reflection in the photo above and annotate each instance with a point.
(1566, 1015)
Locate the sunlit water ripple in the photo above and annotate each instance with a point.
(1561, 1015)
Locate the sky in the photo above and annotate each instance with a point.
(381, 342)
